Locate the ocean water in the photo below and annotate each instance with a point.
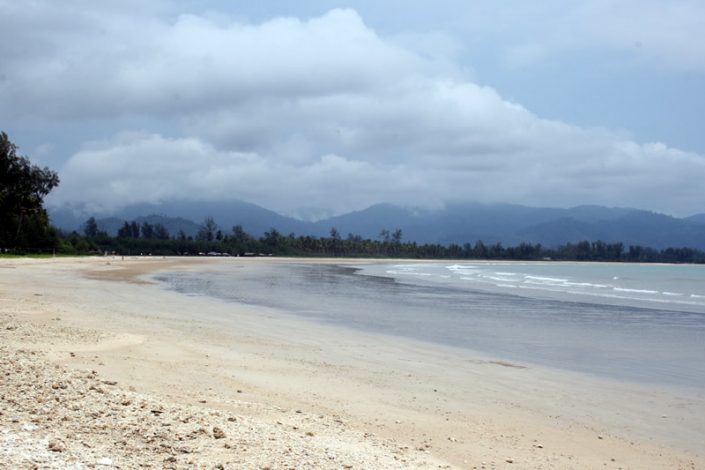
(641, 323)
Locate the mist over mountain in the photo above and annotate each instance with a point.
(456, 223)
(187, 216)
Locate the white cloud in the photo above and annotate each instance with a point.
(317, 113)
(193, 63)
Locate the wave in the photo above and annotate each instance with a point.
(499, 279)
(546, 279)
(587, 284)
(636, 291)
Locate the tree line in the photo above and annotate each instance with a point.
(25, 228)
(134, 238)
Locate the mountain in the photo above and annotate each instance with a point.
(369, 222)
(456, 223)
(492, 223)
(697, 218)
(635, 228)
(186, 216)
(174, 225)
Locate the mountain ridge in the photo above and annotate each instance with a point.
(457, 223)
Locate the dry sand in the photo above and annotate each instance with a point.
(101, 368)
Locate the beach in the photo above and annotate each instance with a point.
(104, 367)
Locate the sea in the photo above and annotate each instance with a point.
(643, 323)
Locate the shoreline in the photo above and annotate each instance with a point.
(429, 406)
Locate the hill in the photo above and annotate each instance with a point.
(456, 223)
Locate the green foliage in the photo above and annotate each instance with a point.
(24, 224)
(90, 228)
(161, 232)
(390, 245)
(208, 230)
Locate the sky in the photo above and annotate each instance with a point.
(315, 107)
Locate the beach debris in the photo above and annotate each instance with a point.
(56, 446)
(509, 460)
(105, 462)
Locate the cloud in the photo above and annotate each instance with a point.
(291, 113)
(548, 164)
(193, 63)
(137, 167)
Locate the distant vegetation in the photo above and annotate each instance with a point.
(144, 239)
(25, 228)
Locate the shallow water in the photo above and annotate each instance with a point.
(643, 323)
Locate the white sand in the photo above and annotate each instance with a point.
(365, 401)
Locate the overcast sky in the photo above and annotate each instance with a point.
(311, 107)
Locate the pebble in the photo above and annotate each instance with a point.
(100, 424)
(57, 446)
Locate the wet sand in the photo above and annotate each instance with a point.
(300, 394)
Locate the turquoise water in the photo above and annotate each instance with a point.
(642, 323)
